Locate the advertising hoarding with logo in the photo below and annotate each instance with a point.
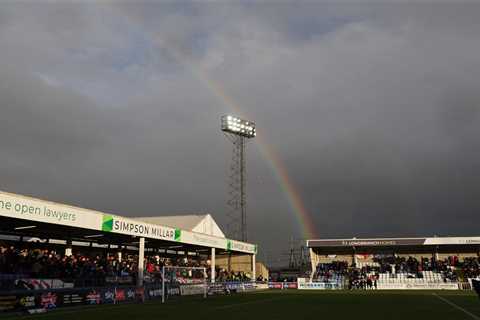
(385, 242)
(15, 206)
(418, 286)
(319, 285)
(116, 224)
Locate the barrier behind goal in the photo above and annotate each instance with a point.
(183, 281)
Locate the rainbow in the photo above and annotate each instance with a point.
(294, 198)
(303, 216)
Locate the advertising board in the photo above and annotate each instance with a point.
(192, 289)
(282, 285)
(52, 299)
(418, 286)
(319, 285)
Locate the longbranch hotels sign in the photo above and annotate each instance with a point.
(121, 225)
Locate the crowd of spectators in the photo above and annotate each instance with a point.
(401, 264)
(471, 268)
(415, 267)
(327, 271)
(367, 275)
(81, 269)
(355, 278)
(98, 269)
(46, 263)
(360, 279)
(223, 275)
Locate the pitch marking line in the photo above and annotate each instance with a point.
(456, 306)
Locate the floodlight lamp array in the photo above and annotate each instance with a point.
(238, 126)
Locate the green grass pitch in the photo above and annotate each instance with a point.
(371, 305)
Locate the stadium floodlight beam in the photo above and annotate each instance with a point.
(237, 130)
(238, 126)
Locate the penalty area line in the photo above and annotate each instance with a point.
(456, 306)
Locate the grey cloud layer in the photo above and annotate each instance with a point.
(373, 108)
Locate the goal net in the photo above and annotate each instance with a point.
(183, 281)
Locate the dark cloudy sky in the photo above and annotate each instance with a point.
(374, 109)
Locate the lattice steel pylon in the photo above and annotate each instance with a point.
(237, 131)
(237, 211)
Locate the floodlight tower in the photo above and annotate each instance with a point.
(237, 131)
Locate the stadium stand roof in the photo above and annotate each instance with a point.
(30, 217)
(424, 244)
(201, 223)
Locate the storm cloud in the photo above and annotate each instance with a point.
(373, 109)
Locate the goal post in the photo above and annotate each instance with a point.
(184, 281)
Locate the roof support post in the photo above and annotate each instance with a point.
(254, 267)
(355, 261)
(141, 255)
(212, 266)
(314, 262)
